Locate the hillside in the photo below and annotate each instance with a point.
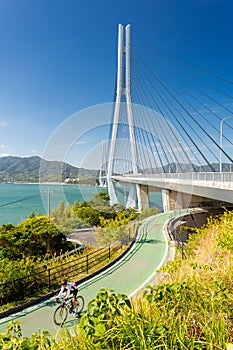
(190, 307)
(36, 169)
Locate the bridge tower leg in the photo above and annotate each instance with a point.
(123, 93)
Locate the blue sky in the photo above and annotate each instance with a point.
(59, 57)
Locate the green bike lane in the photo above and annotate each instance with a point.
(129, 275)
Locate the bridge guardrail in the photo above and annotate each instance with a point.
(194, 176)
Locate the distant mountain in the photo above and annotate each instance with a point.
(35, 169)
(185, 168)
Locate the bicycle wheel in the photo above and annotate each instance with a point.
(60, 315)
(80, 303)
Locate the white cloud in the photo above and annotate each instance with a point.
(4, 154)
(2, 146)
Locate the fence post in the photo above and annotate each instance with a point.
(87, 262)
(49, 279)
(109, 251)
(182, 250)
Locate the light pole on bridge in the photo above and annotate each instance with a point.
(220, 155)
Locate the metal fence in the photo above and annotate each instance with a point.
(193, 176)
(44, 278)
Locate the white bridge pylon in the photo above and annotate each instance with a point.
(123, 95)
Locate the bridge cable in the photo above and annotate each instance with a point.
(152, 141)
(177, 120)
(196, 67)
(161, 128)
(178, 102)
(204, 106)
(209, 85)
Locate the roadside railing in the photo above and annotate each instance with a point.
(46, 278)
(172, 230)
(192, 176)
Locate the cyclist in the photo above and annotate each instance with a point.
(69, 289)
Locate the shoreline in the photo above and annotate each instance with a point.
(45, 183)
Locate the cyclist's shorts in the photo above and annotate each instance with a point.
(74, 291)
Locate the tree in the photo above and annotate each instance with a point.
(36, 237)
(103, 197)
(89, 215)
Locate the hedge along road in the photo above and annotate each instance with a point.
(129, 275)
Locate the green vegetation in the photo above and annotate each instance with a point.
(27, 250)
(94, 213)
(190, 308)
(82, 214)
(35, 237)
(23, 249)
(35, 169)
(111, 223)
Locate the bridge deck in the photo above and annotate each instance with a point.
(216, 186)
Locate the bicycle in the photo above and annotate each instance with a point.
(61, 313)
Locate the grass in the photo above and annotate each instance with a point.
(190, 309)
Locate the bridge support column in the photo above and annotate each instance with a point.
(166, 200)
(143, 197)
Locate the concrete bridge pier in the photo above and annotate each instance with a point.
(143, 196)
(176, 200)
(165, 200)
(171, 199)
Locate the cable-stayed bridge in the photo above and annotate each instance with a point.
(171, 131)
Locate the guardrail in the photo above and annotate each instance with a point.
(196, 176)
(45, 277)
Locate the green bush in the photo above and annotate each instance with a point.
(102, 315)
(191, 309)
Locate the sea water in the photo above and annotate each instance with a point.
(17, 201)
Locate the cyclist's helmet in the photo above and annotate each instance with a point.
(64, 282)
